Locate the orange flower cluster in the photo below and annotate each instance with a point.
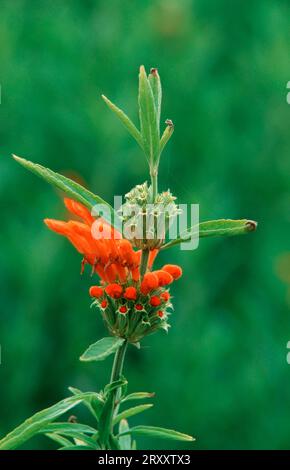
(131, 307)
(110, 256)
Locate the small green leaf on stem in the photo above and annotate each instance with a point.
(215, 228)
(158, 432)
(131, 412)
(62, 441)
(132, 129)
(124, 441)
(137, 396)
(148, 120)
(102, 349)
(155, 83)
(166, 134)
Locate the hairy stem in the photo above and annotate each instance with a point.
(115, 375)
(154, 183)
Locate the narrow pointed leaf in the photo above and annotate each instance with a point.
(166, 134)
(31, 426)
(131, 412)
(148, 120)
(70, 187)
(158, 432)
(137, 396)
(68, 429)
(62, 441)
(124, 441)
(155, 83)
(215, 228)
(132, 129)
(102, 349)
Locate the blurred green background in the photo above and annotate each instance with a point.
(221, 373)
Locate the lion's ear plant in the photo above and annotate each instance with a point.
(132, 297)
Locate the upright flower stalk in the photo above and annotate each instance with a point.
(130, 292)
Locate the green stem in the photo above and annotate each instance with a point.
(154, 183)
(118, 362)
(115, 375)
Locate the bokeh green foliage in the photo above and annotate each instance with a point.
(221, 373)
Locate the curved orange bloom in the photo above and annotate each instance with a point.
(114, 258)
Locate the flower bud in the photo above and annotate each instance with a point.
(96, 291)
(174, 270)
(114, 290)
(164, 278)
(130, 293)
(155, 301)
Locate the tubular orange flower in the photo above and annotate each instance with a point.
(102, 246)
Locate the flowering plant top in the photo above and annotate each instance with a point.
(131, 292)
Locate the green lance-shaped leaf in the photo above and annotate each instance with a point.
(60, 440)
(215, 228)
(158, 432)
(131, 128)
(148, 120)
(68, 429)
(124, 440)
(131, 412)
(70, 187)
(137, 396)
(155, 83)
(74, 430)
(32, 426)
(166, 134)
(102, 349)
